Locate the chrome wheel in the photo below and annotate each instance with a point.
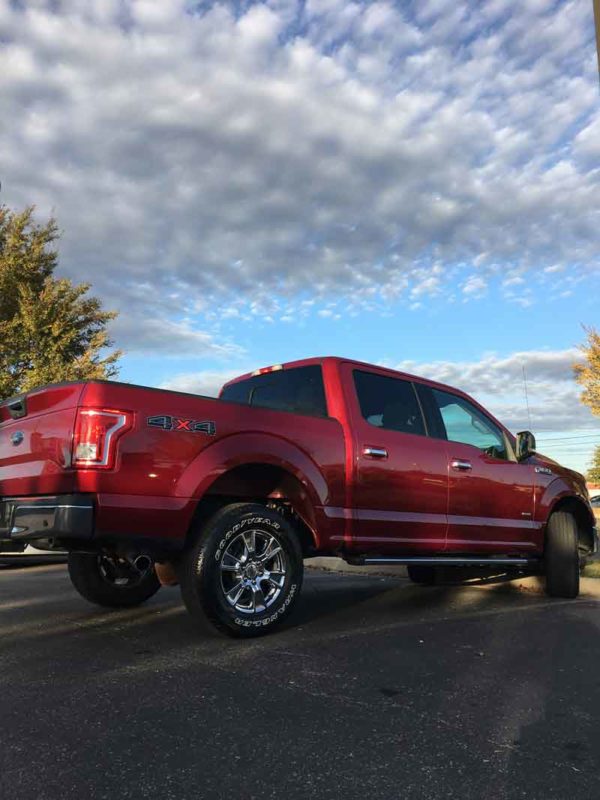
(253, 571)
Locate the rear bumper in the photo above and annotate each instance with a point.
(60, 516)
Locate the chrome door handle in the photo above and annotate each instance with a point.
(375, 452)
(458, 463)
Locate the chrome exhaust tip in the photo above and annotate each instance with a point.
(142, 563)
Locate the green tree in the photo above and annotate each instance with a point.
(50, 330)
(593, 474)
(587, 374)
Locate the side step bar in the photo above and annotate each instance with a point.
(449, 561)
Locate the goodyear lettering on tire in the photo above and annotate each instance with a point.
(236, 529)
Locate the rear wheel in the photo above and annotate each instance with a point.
(561, 556)
(111, 581)
(243, 572)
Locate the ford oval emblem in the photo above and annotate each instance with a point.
(17, 437)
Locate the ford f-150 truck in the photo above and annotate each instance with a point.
(324, 456)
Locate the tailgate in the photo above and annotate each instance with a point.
(36, 431)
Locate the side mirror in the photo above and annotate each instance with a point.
(525, 445)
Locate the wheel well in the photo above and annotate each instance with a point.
(582, 518)
(269, 485)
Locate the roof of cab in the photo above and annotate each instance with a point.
(305, 362)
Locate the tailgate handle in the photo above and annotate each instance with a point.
(375, 452)
(460, 464)
(17, 408)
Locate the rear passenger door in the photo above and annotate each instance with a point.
(399, 490)
(490, 507)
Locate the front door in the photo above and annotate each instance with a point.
(400, 483)
(491, 495)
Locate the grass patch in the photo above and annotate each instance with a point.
(592, 570)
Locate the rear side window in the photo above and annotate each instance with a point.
(236, 393)
(389, 403)
(299, 390)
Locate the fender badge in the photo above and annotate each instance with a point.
(168, 423)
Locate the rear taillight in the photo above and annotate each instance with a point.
(97, 431)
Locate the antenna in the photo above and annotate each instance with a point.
(526, 396)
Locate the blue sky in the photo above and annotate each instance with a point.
(414, 184)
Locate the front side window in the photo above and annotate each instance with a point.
(299, 389)
(466, 424)
(389, 403)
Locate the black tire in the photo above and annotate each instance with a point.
(227, 558)
(94, 579)
(420, 573)
(561, 556)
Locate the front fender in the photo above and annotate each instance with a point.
(560, 488)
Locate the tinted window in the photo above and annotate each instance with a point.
(433, 418)
(300, 390)
(236, 393)
(466, 424)
(389, 403)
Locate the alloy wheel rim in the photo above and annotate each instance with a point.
(253, 571)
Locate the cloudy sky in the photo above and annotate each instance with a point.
(411, 183)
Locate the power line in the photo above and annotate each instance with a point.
(584, 437)
(566, 442)
(566, 450)
(568, 446)
(575, 439)
(591, 432)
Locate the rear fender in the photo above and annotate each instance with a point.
(308, 485)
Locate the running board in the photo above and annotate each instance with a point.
(449, 561)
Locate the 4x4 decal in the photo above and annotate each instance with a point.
(168, 423)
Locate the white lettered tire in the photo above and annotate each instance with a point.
(243, 570)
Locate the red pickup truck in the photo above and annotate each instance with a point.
(324, 456)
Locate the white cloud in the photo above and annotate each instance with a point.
(279, 149)
(165, 337)
(587, 143)
(474, 286)
(498, 383)
(205, 382)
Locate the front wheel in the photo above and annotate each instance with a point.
(243, 572)
(111, 581)
(561, 556)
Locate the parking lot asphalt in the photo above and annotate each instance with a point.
(375, 689)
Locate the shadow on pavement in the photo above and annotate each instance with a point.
(376, 688)
(25, 561)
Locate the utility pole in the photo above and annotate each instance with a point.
(597, 25)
